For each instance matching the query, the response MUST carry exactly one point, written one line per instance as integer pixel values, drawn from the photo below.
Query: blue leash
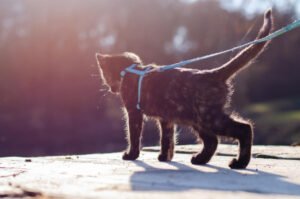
(150, 69)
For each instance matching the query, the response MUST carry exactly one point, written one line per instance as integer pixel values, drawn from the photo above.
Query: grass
(276, 122)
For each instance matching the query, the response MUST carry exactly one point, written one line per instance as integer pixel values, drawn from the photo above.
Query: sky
(250, 8)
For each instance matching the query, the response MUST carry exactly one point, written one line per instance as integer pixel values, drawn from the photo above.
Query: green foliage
(276, 122)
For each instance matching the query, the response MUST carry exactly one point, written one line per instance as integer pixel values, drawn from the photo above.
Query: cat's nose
(106, 87)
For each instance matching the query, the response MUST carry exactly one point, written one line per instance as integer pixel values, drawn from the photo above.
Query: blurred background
(50, 94)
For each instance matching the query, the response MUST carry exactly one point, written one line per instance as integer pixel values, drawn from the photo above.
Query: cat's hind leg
(210, 143)
(242, 131)
(167, 140)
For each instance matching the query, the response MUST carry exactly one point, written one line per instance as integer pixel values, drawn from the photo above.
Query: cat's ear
(100, 58)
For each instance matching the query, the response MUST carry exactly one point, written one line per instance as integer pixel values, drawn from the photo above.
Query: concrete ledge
(259, 151)
(107, 176)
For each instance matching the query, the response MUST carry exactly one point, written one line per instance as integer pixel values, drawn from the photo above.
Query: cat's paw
(235, 164)
(165, 158)
(130, 156)
(199, 160)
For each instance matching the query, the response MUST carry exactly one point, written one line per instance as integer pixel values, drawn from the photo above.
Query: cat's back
(181, 78)
(184, 84)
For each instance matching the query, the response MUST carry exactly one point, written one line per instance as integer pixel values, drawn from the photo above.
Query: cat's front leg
(134, 119)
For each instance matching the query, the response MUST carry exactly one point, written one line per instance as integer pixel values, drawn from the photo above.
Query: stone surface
(108, 176)
(271, 152)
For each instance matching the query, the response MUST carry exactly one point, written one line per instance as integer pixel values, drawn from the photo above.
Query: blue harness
(149, 69)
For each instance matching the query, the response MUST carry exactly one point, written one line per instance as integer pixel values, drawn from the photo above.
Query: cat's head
(110, 67)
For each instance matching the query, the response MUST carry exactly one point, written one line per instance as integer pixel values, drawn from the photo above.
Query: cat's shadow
(182, 177)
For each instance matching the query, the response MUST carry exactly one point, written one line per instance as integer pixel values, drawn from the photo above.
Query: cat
(190, 97)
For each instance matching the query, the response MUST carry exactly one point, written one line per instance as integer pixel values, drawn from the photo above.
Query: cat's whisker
(95, 75)
(105, 94)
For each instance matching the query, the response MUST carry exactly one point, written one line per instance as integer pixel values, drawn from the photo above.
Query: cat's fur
(191, 97)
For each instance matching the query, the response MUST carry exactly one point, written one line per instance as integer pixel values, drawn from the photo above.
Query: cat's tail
(244, 58)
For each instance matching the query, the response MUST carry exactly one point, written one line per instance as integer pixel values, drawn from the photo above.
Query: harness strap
(141, 74)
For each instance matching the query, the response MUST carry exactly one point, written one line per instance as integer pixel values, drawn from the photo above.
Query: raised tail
(244, 58)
